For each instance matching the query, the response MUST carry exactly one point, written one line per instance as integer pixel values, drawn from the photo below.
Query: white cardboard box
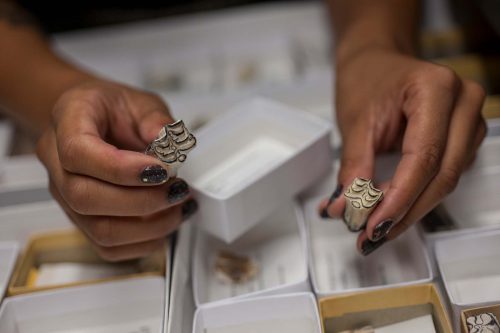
(180, 312)
(469, 269)
(24, 180)
(292, 313)
(6, 132)
(117, 307)
(336, 266)
(19, 222)
(8, 257)
(473, 206)
(277, 245)
(251, 160)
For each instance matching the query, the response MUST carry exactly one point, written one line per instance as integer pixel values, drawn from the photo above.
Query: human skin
(92, 135)
(389, 100)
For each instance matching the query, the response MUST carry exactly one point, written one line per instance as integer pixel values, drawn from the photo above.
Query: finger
(113, 231)
(131, 251)
(83, 151)
(89, 196)
(357, 160)
(467, 129)
(428, 117)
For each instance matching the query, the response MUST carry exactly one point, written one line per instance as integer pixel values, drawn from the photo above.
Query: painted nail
(338, 191)
(177, 191)
(369, 246)
(153, 174)
(189, 208)
(382, 229)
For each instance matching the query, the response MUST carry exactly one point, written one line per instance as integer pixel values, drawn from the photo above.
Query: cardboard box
(120, 306)
(250, 161)
(494, 309)
(468, 270)
(24, 180)
(179, 317)
(383, 307)
(337, 267)
(71, 247)
(20, 222)
(6, 132)
(8, 256)
(278, 248)
(473, 206)
(292, 313)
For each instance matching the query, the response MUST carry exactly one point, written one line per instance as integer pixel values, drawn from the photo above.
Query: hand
(386, 101)
(110, 189)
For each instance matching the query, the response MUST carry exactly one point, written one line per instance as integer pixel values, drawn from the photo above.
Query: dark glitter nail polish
(154, 174)
(338, 191)
(369, 246)
(382, 229)
(189, 208)
(177, 191)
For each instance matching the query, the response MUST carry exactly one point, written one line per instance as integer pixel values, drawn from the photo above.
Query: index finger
(82, 150)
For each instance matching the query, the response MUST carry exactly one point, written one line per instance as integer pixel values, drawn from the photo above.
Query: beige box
(73, 248)
(495, 309)
(383, 307)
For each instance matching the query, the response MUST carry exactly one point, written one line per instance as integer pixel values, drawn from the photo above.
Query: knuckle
(430, 158)
(77, 195)
(101, 231)
(68, 152)
(432, 74)
(475, 89)
(448, 179)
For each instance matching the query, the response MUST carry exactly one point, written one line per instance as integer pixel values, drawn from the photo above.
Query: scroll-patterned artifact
(172, 145)
(361, 199)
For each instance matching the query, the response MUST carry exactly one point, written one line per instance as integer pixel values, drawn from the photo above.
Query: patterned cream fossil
(172, 145)
(483, 323)
(361, 199)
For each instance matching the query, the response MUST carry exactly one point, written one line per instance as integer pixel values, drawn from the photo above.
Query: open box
(473, 206)
(291, 313)
(121, 306)
(469, 270)
(251, 160)
(380, 308)
(337, 267)
(8, 256)
(179, 315)
(66, 258)
(24, 180)
(20, 222)
(277, 245)
(493, 309)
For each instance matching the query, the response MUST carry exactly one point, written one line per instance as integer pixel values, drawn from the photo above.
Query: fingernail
(338, 191)
(189, 208)
(153, 174)
(369, 246)
(382, 229)
(177, 191)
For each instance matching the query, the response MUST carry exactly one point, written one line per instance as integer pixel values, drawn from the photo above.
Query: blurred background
(203, 56)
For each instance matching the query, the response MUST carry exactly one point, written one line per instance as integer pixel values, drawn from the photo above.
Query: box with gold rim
(385, 310)
(66, 259)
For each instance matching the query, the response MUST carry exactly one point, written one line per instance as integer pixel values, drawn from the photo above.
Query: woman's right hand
(93, 151)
